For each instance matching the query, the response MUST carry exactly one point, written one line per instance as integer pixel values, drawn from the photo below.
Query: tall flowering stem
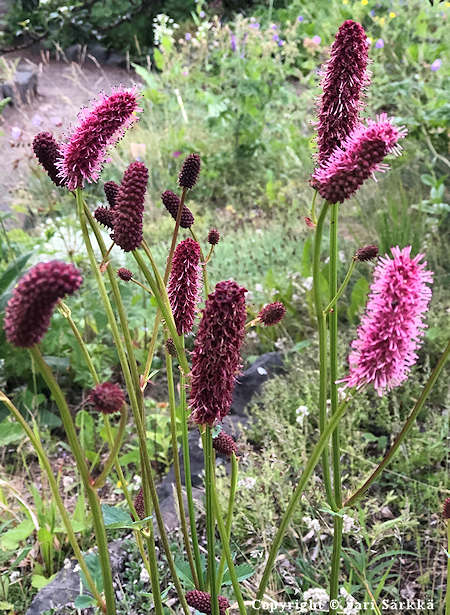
(229, 519)
(210, 524)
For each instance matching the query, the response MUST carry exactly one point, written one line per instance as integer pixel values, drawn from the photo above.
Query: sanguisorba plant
(349, 152)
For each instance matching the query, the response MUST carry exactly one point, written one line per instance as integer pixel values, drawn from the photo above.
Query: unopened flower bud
(124, 274)
(272, 313)
(366, 253)
(213, 236)
(190, 171)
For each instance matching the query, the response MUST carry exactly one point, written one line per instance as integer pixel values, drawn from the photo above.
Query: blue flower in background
(379, 44)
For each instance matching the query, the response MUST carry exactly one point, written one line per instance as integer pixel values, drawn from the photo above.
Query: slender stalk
(100, 480)
(406, 427)
(94, 502)
(342, 287)
(447, 595)
(56, 496)
(336, 454)
(203, 261)
(321, 325)
(187, 478)
(209, 486)
(151, 351)
(306, 474)
(175, 235)
(233, 483)
(225, 539)
(176, 467)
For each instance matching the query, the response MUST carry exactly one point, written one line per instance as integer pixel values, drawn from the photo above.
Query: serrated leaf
(244, 571)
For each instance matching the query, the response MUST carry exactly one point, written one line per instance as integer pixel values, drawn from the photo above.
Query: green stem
(203, 262)
(176, 467)
(333, 325)
(187, 478)
(209, 480)
(447, 595)
(233, 483)
(94, 502)
(309, 468)
(342, 287)
(100, 480)
(175, 235)
(406, 427)
(225, 539)
(321, 325)
(56, 496)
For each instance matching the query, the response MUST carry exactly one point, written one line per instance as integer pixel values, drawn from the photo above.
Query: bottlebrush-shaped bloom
(184, 284)
(111, 189)
(201, 601)
(213, 237)
(172, 202)
(47, 151)
(446, 509)
(124, 274)
(105, 216)
(170, 347)
(224, 444)
(392, 326)
(129, 208)
(190, 171)
(216, 355)
(272, 313)
(107, 397)
(366, 253)
(28, 312)
(343, 81)
(361, 155)
(99, 128)
(139, 504)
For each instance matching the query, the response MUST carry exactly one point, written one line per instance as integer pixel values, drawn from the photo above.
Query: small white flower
(14, 576)
(261, 371)
(247, 483)
(349, 524)
(144, 576)
(258, 288)
(312, 524)
(307, 283)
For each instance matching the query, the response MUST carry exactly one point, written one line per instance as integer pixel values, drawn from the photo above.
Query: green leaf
(184, 574)
(6, 606)
(83, 601)
(11, 539)
(93, 565)
(85, 422)
(116, 518)
(13, 271)
(158, 58)
(10, 432)
(39, 581)
(244, 571)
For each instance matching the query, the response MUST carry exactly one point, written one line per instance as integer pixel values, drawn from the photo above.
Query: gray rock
(74, 53)
(116, 59)
(22, 88)
(99, 52)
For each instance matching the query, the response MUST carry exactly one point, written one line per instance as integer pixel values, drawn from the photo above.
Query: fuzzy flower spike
(392, 326)
(28, 312)
(99, 128)
(343, 82)
(184, 285)
(216, 355)
(129, 207)
(361, 155)
(47, 151)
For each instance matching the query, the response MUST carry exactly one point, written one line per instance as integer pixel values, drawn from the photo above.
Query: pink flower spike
(99, 128)
(183, 288)
(392, 326)
(343, 82)
(361, 155)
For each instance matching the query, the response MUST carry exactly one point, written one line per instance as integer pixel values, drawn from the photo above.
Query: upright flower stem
(306, 474)
(176, 467)
(130, 383)
(333, 326)
(94, 502)
(56, 496)
(341, 288)
(231, 498)
(406, 427)
(209, 480)
(447, 595)
(321, 325)
(203, 263)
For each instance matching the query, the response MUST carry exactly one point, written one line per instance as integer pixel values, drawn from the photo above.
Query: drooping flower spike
(201, 601)
(111, 189)
(360, 157)
(343, 82)
(28, 312)
(47, 151)
(366, 253)
(224, 444)
(392, 326)
(172, 202)
(105, 217)
(129, 207)
(102, 126)
(216, 356)
(272, 313)
(183, 288)
(107, 398)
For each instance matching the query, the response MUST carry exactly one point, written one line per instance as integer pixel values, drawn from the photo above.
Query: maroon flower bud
(105, 216)
(31, 305)
(129, 209)
(224, 444)
(171, 202)
(213, 236)
(272, 313)
(124, 274)
(184, 284)
(201, 601)
(107, 397)
(343, 82)
(47, 151)
(139, 504)
(446, 510)
(111, 189)
(190, 171)
(216, 355)
(170, 347)
(366, 253)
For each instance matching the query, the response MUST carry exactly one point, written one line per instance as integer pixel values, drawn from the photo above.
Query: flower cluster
(201, 601)
(129, 207)
(224, 444)
(184, 285)
(272, 313)
(124, 274)
(107, 397)
(216, 355)
(47, 151)
(84, 154)
(213, 237)
(190, 171)
(31, 305)
(366, 253)
(171, 202)
(392, 326)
